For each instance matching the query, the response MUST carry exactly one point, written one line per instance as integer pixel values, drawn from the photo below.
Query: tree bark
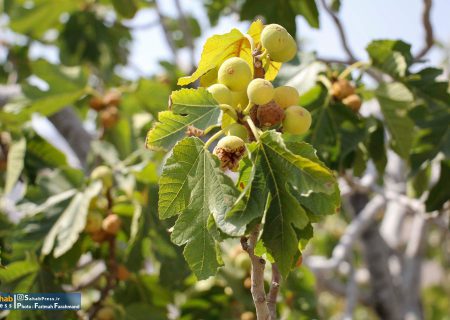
(376, 253)
(257, 275)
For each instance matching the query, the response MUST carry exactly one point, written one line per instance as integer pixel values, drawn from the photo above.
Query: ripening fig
(353, 101)
(109, 116)
(279, 44)
(239, 99)
(238, 130)
(220, 93)
(94, 221)
(260, 91)
(285, 55)
(286, 96)
(104, 174)
(235, 73)
(105, 313)
(112, 98)
(297, 120)
(269, 114)
(274, 37)
(230, 150)
(342, 88)
(123, 273)
(96, 103)
(111, 224)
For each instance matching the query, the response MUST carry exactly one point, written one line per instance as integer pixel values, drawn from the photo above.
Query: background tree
(391, 159)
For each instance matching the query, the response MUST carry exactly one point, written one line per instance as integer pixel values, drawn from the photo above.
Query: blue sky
(364, 21)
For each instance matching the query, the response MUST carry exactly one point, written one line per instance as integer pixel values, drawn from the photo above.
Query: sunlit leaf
(193, 186)
(189, 107)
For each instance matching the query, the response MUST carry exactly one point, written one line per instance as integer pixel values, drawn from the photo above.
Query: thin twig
(342, 34)
(352, 233)
(257, 275)
(166, 31)
(429, 36)
(187, 32)
(273, 291)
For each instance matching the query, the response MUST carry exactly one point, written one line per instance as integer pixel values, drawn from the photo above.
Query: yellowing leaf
(217, 49)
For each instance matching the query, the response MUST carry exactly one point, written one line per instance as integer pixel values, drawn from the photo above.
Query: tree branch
(412, 269)
(428, 28)
(273, 291)
(338, 288)
(70, 127)
(341, 31)
(385, 297)
(353, 231)
(257, 275)
(111, 263)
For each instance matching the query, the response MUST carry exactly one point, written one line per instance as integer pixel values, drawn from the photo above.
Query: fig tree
(235, 73)
(297, 120)
(260, 91)
(286, 96)
(220, 93)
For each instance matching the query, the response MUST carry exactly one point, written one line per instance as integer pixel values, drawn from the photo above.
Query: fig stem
(248, 108)
(262, 55)
(252, 42)
(229, 110)
(252, 126)
(213, 138)
(358, 64)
